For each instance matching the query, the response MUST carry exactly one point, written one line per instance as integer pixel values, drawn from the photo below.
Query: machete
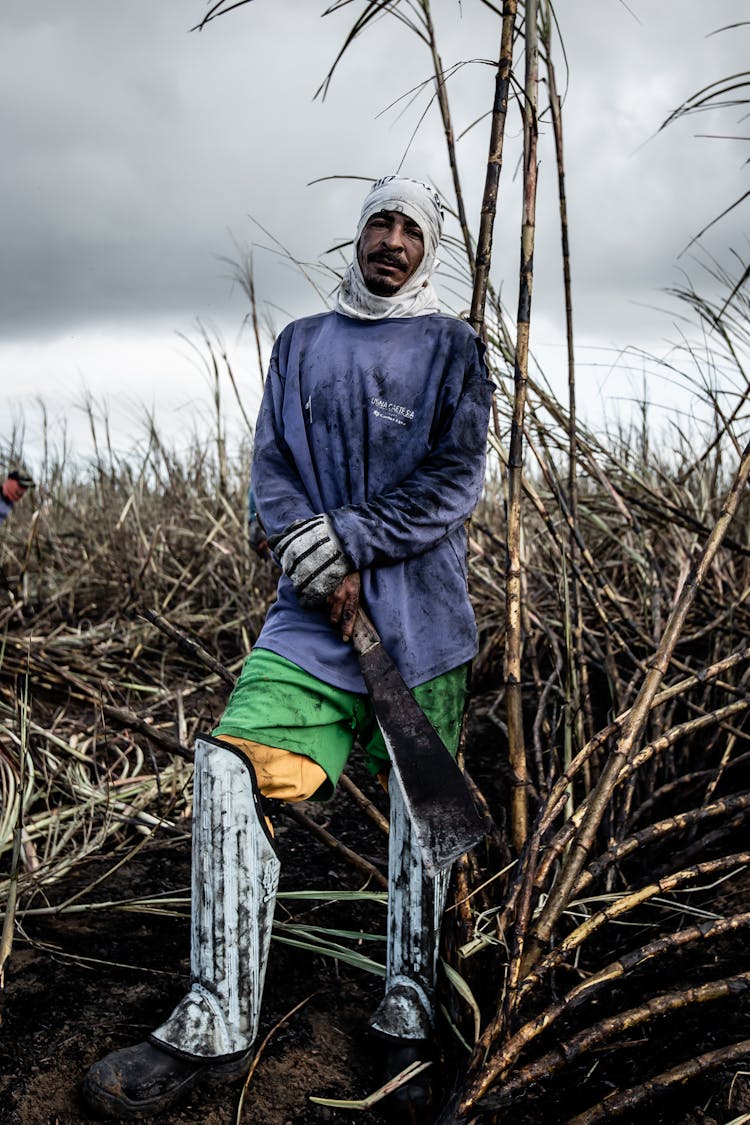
(445, 819)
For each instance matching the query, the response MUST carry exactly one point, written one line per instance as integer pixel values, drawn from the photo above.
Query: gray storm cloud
(135, 152)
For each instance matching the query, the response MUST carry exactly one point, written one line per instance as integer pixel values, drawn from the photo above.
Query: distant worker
(13, 489)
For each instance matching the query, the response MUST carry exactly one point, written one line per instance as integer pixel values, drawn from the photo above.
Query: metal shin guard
(235, 877)
(415, 909)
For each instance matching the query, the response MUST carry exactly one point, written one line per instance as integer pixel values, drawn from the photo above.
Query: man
(13, 489)
(369, 457)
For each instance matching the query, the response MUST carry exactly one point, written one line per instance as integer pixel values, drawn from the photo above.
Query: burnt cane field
(595, 960)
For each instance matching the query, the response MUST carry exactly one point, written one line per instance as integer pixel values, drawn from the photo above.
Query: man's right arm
(303, 540)
(280, 494)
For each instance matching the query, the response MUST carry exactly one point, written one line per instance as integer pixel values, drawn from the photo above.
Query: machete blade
(445, 819)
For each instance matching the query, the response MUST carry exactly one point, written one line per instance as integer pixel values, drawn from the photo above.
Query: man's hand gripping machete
(444, 816)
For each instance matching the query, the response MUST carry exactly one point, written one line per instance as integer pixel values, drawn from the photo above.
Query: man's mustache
(387, 258)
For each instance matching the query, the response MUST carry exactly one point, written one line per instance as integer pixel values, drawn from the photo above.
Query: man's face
(13, 491)
(389, 250)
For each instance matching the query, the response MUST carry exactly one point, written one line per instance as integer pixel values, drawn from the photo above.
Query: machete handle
(364, 634)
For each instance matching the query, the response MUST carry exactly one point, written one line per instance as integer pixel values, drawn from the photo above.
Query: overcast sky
(138, 156)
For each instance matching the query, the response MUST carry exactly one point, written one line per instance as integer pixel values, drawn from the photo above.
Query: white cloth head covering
(416, 297)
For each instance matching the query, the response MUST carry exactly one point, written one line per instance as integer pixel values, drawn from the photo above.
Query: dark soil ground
(79, 986)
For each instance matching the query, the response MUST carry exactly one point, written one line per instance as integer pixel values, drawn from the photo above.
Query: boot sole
(115, 1107)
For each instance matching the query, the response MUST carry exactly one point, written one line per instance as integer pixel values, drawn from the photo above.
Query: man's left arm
(415, 515)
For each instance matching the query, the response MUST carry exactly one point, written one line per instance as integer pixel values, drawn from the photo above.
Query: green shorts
(277, 703)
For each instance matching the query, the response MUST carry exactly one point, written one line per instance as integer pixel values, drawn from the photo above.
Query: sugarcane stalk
(726, 759)
(592, 1038)
(622, 1101)
(680, 822)
(489, 1069)
(635, 722)
(691, 726)
(523, 914)
(624, 904)
(577, 680)
(561, 841)
(369, 870)
(189, 645)
(663, 946)
(364, 803)
(682, 687)
(685, 780)
(494, 164)
(513, 594)
(602, 585)
(441, 93)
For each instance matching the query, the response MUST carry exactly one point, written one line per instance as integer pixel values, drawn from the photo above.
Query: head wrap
(21, 477)
(416, 297)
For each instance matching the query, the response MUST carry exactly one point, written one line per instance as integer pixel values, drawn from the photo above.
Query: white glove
(311, 555)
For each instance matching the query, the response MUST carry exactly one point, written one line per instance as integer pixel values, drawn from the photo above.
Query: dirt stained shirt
(382, 425)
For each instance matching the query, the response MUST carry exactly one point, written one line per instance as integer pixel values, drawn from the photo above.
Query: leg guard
(235, 877)
(415, 910)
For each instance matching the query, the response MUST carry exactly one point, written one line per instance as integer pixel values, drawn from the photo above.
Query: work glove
(311, 556)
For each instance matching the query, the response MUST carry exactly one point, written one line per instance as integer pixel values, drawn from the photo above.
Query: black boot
(139, 1082)
(412, 1103)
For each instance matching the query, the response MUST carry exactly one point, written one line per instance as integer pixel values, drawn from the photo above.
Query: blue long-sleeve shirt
(382, 425)
(5, 508)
